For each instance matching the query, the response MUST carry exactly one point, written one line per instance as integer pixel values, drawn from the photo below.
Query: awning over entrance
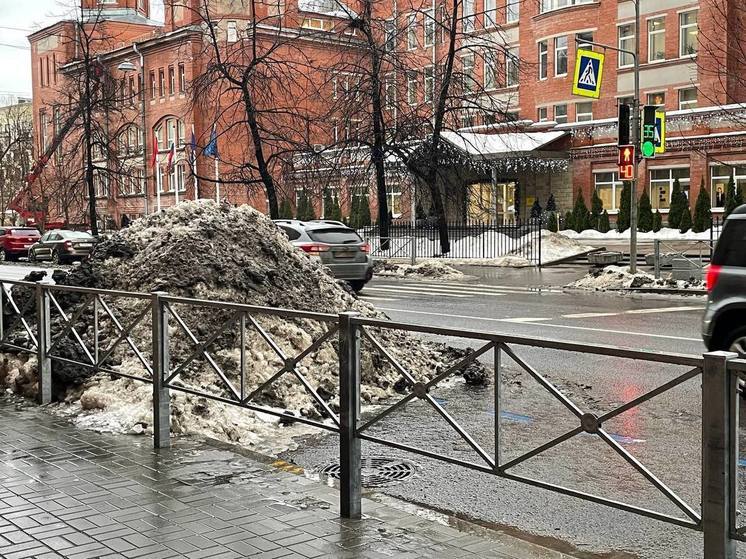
(494, 146)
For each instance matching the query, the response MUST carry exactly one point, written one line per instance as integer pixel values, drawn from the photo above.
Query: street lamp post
(127, 66)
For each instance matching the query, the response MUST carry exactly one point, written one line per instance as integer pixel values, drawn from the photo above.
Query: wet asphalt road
(664, 434)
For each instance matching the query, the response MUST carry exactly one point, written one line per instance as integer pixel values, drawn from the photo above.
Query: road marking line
(376, 298)
(449, 289)
(590, 314)
(546, 325)
(664, 309)
(485, 285)
(436, 291)
(522, 320)
(404, 291)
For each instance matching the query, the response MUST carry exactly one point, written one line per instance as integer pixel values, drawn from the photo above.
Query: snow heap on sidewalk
(430, 269)
(665, 233)
(613, 278)
(203, 250)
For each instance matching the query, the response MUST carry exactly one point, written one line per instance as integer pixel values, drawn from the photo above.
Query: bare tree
(16, 148)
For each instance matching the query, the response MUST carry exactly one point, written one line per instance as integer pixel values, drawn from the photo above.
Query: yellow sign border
(662, 147)
(601, 57)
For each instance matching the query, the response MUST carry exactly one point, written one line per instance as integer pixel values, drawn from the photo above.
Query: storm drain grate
(376, 471)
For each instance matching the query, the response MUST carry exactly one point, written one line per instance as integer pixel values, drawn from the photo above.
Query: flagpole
(175, 171)
(159, 186)
(194, 174)
(217, 181)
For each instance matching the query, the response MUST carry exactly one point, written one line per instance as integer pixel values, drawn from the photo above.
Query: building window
(161, 83)
(658, 98)
(512, 11)
(688, 33)
(543, 60)
(412, 31)
(389, 27)
(560, 56)
(626, 35)
(720, 177)
(656, 39)
(171, 80)
(162, 187)
(43, 134)
(626, 101)
(609, 189)
(584, 40)
(429, 84)
(467, 67)
(393, 199)
(429, 28)
(490, 69)
(468, 8)
(181, 176)
(490, 13)
(550, 5)
(688, 98)
(412, 87)
(583, 111)
(661, 186)
(542, 114)
(182, 79)
(512, 67)
(390, 91)
(232, 32)
(560, 114)
(467, 119)
(152, 84)
(131, 90)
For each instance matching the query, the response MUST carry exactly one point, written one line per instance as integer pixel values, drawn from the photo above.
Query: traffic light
(623, 125)
(647, 146)
(626, 162)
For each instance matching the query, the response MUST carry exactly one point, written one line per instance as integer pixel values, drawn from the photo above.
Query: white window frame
(429, 29)
(467, 71)
(412, 31)
(739, 180)
(512, 67)
(684, 32)
(557, 117)
(390, 90)
(684, 105)
(393, 192)
(626, 42)
(491, 69)
(429, 92)
(655, 200)
(578, 113)
(551, 5)
(558, 50)
(231, 32)
(543, 51)
(542, 114)
(412, 87)
(512, 11)
(653, 34)
(389, 31)
(616, 184)
(490, 13)
(468, 15)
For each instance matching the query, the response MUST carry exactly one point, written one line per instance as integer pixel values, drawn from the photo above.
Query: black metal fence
(468, 240)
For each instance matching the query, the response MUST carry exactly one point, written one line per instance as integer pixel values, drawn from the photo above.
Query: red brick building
(552, 143)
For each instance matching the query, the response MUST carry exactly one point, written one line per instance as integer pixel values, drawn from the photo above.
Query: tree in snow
(286, 209)
(305, 209)
(580, 216)
(603, 222)
(331, 206)
(597, 208)
(733, 197)
(551, 204)
(645, 213)
(536, 211)
(569, 221)
(686, 220)
(702, 211)
(622, 218)
(679, 202)
(552, 224)
(657, 221)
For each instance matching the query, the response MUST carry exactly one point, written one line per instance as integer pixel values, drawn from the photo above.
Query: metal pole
(159, 185)
(636, 142)
(719, 455)
(349, 400)
(43, 342)
(161, 396)
(498, 408)
(217, 181)
(657, 257)
(413, 253)
(144, 135)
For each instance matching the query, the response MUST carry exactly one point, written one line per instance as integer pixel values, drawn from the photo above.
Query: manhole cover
(376, 471)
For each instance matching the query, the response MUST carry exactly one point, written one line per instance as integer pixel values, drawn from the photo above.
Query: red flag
(171, 155)
(154, 158)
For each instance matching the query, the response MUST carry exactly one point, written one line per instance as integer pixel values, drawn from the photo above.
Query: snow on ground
(429, 269)
(555, 246)
(616, 278)
(665, 233)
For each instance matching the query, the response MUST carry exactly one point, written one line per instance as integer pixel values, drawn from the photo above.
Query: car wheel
(31, 256)
(3, 255)
(56, 258)
(357, 285)
(737, 341)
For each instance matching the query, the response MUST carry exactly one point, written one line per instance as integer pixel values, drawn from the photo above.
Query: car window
(82, 235)
(44, 237)
(24, 233)
(2, 232)
(731, 247)
(292, 234)
(55, 237)
(335, 236)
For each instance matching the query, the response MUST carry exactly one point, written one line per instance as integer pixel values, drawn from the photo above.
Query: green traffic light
(648, 149)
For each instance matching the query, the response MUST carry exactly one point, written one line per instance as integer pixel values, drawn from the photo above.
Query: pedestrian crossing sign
(589, 69)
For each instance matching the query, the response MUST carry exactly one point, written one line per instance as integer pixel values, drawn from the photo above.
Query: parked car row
(59, 245)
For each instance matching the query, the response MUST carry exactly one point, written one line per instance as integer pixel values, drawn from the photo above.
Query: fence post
(539, 233)
(349, 402)
(161, 396)
(413, 258)
(719, 454)
(43, 342)
(657, 257)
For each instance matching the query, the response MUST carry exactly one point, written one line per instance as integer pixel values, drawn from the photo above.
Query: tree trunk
(261, 162)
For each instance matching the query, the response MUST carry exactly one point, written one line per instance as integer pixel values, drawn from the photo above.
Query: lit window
(688, 33)
(658, 98)
(661, 186)
(609, 189)
(656, 39)
(721, 176)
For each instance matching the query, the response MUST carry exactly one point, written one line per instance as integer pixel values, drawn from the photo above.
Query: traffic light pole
(636, 143)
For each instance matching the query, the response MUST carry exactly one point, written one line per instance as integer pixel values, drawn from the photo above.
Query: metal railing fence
(38, 318)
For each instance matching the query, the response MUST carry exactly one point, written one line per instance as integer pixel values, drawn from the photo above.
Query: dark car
(16, 241)
(724, 323)
(61, 246)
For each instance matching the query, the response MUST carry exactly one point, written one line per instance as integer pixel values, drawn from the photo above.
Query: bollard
(657, 258)
(719, 454)
(161, 396)
(349, 399)
(43, 342)
(413, 252)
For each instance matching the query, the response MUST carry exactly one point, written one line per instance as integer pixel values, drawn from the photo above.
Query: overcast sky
(18, 18)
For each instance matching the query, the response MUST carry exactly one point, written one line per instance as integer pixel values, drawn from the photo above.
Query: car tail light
(314, 249)
(713, 273)
(68, 245)
(365, 248)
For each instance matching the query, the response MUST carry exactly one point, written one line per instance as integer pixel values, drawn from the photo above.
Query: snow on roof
(498, 144)
(333, 8)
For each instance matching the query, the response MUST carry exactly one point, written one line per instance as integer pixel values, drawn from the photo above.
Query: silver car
(724, 324)
(338, 247)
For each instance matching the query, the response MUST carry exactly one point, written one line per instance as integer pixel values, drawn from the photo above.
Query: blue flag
(211, 149)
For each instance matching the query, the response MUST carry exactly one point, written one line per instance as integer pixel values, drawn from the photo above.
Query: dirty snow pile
(203, 250)
(555, 246)
(613, 278)
(665, 233)
(429, 269)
